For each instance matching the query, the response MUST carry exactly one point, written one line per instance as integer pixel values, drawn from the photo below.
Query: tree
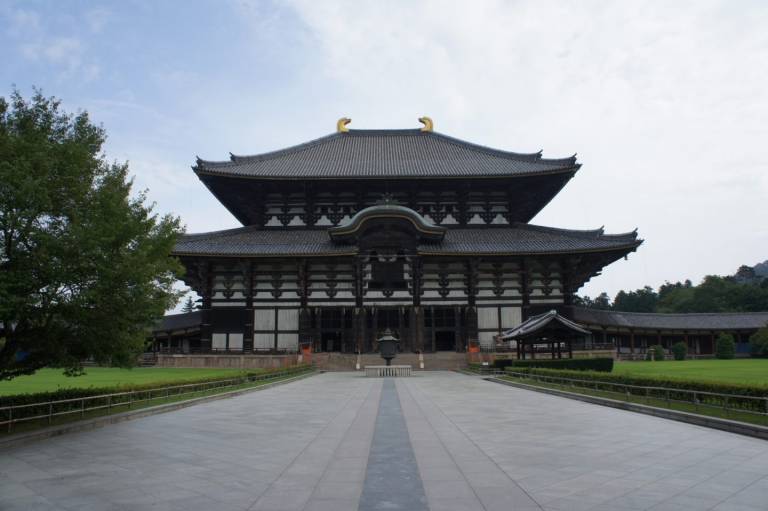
(189, 305)
(601, 301)
(642, 300)
(84, 265)
(725, 347)
(758, 343)
(679, 350)
(655, 352)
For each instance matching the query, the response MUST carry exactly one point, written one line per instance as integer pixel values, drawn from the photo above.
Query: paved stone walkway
(321, 444)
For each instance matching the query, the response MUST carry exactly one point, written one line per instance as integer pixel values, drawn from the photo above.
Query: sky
(665, 103)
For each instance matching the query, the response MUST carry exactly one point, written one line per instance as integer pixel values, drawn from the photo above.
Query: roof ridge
(534, 157)
(235, 159)
(586, 233)
(213, 234)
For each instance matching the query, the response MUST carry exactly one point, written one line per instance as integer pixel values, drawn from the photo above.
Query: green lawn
(52, 379)
(731, 371)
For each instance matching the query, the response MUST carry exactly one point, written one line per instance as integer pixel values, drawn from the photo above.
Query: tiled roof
(386, 153)
(513, 240)
(540, 322)
(712, 321)
(181, 321)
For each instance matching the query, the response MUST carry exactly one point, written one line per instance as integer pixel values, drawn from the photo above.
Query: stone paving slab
(306, 445)
(569, 455)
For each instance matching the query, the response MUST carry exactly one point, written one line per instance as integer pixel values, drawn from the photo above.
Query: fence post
(82, 408)
(668, 404)
(109, 403)
(726, 406)
(696, 402)
(10, 418)
(50, 413)
(647, 395)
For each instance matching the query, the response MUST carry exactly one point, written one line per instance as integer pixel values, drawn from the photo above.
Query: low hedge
(78, 393)
(669, 385)
(603, 364)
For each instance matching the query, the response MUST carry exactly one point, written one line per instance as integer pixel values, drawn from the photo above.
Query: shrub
(656, 352)
(604, 364)
(679, 350)
(501, 363)
(725, 347)
(758, 343)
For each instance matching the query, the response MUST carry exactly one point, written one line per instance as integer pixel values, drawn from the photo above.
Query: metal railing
(49, 410)
(730, 404)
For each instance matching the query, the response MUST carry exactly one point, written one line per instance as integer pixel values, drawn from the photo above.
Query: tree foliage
(725, 346)
(679, 350)
(758, 343)
(189, 305)
(84, 265)
(745, 291)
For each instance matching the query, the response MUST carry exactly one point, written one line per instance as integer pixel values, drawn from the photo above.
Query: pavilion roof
(711, 321)
(541, 323)
(517, 239)
(405, 153)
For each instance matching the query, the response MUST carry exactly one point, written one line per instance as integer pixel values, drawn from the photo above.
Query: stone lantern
(388, 346)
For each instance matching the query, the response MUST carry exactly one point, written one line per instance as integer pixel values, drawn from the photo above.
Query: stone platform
(340, 441)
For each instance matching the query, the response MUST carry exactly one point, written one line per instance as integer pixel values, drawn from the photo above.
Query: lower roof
(711, 321)
(516, 239)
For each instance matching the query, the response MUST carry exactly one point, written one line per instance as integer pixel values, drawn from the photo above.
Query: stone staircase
(440, 361)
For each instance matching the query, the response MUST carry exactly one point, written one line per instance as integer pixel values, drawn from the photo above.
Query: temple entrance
(330, 341)
(445, 341)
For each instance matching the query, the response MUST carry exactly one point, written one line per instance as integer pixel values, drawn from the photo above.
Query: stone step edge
(731, 426)
(15, 440)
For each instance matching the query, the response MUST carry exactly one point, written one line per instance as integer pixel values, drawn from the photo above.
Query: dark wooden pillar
(632, 342)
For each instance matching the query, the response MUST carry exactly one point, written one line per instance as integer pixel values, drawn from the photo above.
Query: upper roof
(517, 239)
(406, 153)
(541, 323)
(712, 321)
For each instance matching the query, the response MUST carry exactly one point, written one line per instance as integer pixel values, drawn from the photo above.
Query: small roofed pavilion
(550, 329)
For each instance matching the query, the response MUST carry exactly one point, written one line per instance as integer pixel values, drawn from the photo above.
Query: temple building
(363, 230)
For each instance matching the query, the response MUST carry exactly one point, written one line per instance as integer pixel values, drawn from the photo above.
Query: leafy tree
(642, 300)
(679, 350)
(189, 305)
(725, 347)
(758, 343)
(84, 266)
(601, 301)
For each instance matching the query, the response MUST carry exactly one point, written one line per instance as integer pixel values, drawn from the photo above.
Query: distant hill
(761, 269)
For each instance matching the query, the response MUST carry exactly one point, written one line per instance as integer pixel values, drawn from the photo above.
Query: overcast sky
(665, 103)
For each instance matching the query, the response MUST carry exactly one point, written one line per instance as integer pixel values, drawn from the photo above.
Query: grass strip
(735, 415)
(31, 425)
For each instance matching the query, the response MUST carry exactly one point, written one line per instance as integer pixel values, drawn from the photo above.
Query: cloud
(664, 102)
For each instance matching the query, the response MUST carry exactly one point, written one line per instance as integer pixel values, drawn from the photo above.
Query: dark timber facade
(364, 230)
